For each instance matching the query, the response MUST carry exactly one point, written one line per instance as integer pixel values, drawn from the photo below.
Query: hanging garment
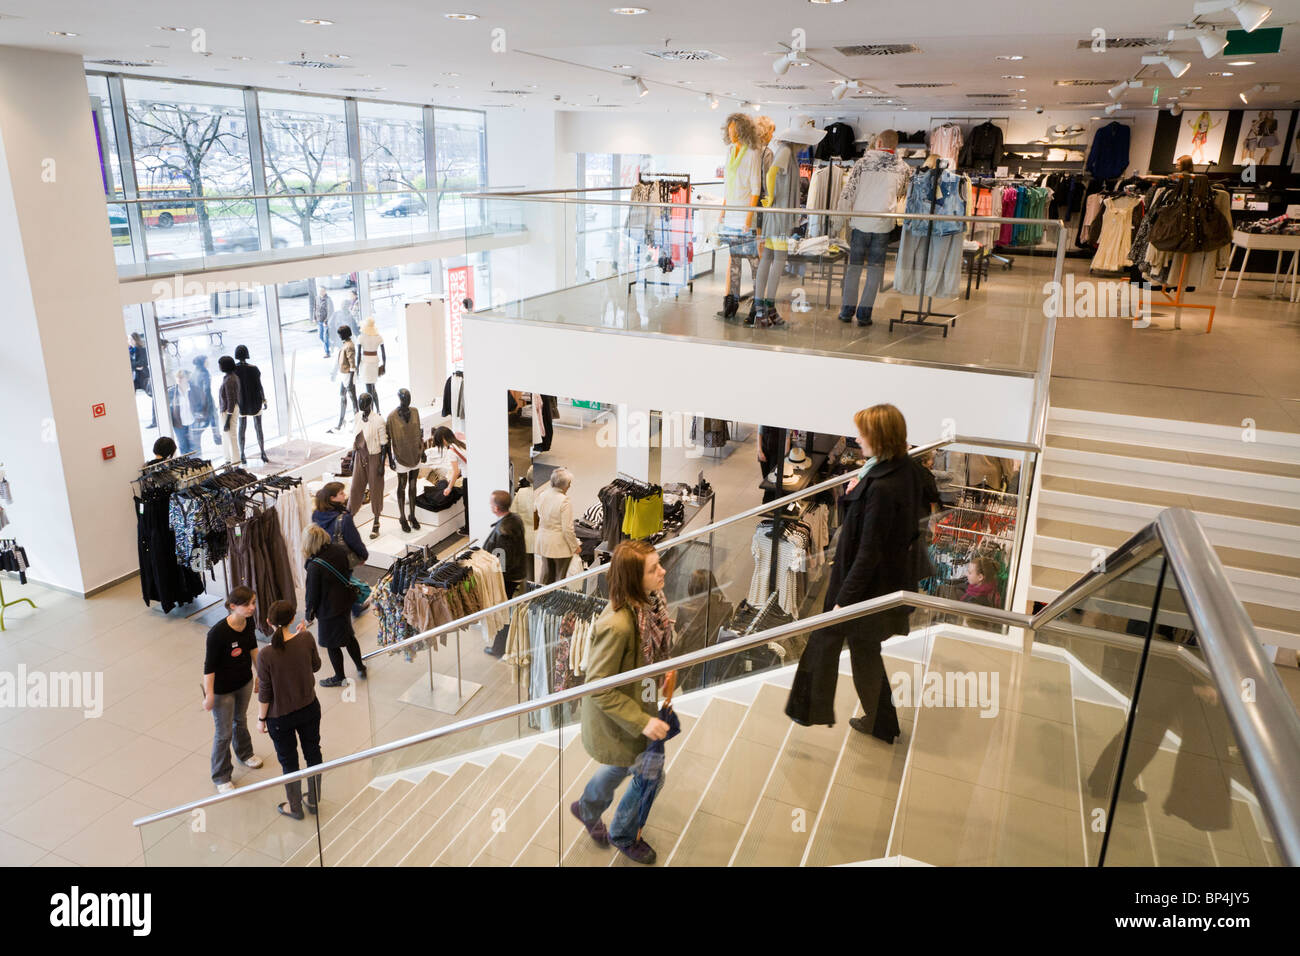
(983, 148)
(930, 267)
(1108, 157)
(837, 143)
(709, 432)
(1116, 237)
(946, 142)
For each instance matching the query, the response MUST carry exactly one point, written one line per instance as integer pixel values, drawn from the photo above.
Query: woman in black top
(330, 598)
(882, 509)
(287, 706)
(252, 400)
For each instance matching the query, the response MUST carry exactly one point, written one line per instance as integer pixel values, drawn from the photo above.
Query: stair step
(332, 823)
(355, 831)
(467, 803)
(425, 816)
(536, 809)
(1170, 499)
(787, 811)
(1244, 462)
(714, 831)
(1189, 436)
(384, 827)
(496, 808)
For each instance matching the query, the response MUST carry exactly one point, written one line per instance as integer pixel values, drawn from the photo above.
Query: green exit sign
(1155, 96)
(1241, 43)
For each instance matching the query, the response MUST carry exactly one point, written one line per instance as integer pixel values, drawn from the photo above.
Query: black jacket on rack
(838, 142)
(982, 149)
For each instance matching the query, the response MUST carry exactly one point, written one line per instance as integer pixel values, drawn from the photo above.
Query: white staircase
(746, 787)
(1107, 475)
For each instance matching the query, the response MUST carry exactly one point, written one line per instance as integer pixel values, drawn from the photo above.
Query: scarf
(655, 629)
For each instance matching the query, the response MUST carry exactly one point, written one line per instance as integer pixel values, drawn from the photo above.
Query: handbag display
(1192, 222)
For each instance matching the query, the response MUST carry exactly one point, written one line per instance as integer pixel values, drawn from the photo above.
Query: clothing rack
(925, 311)
(661, 215)
(10, 546)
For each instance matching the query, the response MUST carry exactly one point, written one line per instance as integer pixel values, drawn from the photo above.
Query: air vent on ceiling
(126, 63)
(314, 65)
(921, 86)
(512, 92)
(989, 96)
(362, 89)
(1083, 103)
(678, 55)
(1125, 43)
(1085, 82)
(782, 86)
(877, 49)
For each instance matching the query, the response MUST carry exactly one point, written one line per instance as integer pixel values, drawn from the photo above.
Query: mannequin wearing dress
(372, 359)
(369, 449)
(252, 400)
(406, 439)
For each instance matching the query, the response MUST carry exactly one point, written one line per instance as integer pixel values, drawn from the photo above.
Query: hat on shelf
(787, 473)
(803, 130)
(798, 457)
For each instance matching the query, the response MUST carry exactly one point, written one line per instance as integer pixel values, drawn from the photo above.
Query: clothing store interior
(423, 348)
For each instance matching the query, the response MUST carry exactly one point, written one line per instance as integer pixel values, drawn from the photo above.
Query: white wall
(64, 343)
(697, 132)
(790, 389)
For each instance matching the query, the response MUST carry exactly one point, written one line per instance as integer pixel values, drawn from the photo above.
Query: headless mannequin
(368, 466)
(252, 401)
(370, 365)
(405, 417)
(347, 367)
(732, 288)
(772, 251)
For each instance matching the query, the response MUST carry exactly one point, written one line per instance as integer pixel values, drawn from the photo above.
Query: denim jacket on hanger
(949, 202)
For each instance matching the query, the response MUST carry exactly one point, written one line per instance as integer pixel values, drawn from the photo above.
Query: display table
(1279, 244)
(802, 478)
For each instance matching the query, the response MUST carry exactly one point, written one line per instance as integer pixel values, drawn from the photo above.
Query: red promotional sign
(460, 286)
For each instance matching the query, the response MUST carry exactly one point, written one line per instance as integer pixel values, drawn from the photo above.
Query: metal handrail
(798, 211)
(826, 485)
(333, 194)
(852, 612)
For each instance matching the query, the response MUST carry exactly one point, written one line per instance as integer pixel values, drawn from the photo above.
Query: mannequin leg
(412, 478)
(401, 499)
(261, 442)
(774, 259)
(374, 394)
(343, 404)
(376, 481)
(760, 281)
(243, 428)
(360, 475)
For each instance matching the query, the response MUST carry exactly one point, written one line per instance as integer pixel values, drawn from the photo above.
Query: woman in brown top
(287, 706)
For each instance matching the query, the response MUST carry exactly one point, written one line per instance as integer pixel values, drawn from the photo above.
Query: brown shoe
(597, 831)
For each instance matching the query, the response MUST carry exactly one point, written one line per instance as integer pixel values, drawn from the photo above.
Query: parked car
(244, 240)
(403, 206)
(333, 210)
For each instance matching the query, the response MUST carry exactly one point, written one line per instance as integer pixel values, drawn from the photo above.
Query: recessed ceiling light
(398, 66)
(241, 57)
(1241, 63)
(61, 33)
(1010, 56)
(1014, 90)
(686, 82)
(159, 46)
(339, 56)
(530, 86)
(451, 74)
(221, 69)
(454, 88)
(1013, 76)
(461, 16)
(620, 66)
(175, 29)
(317, 22)
(825, 1)
(628, 11)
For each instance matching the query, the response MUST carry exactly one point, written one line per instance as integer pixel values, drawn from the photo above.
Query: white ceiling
(561, 53)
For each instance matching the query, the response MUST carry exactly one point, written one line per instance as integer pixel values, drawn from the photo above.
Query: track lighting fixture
(1176, 66)
(1211, 41)
(1248, 13)
(1118, 90)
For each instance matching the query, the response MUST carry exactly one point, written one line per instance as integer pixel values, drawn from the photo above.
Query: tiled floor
(69, 786)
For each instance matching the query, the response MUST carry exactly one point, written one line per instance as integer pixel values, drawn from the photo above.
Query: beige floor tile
(108, 841)
(24, 783)
(83, 746)
(62, 813)
(18, 852)
(132, 767)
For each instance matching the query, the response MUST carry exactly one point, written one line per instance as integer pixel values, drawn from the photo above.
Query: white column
(65, 348)
(632, 432)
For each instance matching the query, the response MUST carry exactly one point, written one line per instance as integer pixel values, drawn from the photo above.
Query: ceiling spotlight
(1013, 76)
(620, 66)
(1112, 108)
(460, 16)
(339, 56)
(641, 88)
(241, 57)
(61, 33)
(837, 93)
(756, 106)
(317, 22)
(1257, 88)
(783, 63)
(713, 102)
(175, 29)
(825, 1)
(628, 11)
(1212, 42)
(1248, 13)
(1012, 56)
(1241, 63)
(1175, 109)
(1176, 66)
(1118, 90)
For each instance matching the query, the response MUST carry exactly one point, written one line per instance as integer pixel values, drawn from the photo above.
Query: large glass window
(195, 332)
(392, 160)
(141, 359)
(305, 149)
(311, 347)
(191, 141)
(110, 167)
(460, 143)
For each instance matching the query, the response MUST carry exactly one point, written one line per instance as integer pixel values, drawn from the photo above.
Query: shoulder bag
(360, 589)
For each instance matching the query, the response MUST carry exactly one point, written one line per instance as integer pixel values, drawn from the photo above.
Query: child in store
(982, 583)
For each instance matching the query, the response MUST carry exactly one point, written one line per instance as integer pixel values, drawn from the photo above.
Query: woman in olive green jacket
(618, 723)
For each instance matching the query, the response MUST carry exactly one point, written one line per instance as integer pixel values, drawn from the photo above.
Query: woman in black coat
(330, 598)
(882, 510)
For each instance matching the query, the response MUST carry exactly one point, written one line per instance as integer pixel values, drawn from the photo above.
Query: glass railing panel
(602, 260)
(1185, 782)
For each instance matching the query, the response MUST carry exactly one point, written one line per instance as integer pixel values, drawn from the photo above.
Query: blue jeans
(323, 329)
(230, 721)
(632, 810)
(184, 440)
(871, 247)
